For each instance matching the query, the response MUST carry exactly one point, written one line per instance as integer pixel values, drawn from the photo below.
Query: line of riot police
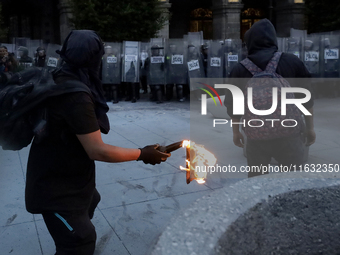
(168, 65)
(165, 66)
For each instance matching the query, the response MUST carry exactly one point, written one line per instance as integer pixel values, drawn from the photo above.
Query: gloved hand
(151, 155)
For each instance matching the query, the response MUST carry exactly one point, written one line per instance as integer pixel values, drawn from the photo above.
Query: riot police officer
(131, 69)
(143, 71)
(111, 73)
(331, 63)
(25, 61)
(40, 57)
(176, 69)
(232, 49)
(311, 60)
(156, 72)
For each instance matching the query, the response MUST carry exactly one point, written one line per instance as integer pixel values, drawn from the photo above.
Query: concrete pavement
(138, 200)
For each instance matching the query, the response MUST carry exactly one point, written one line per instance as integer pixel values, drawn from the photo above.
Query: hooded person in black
(261, 42)
(82, 62)
(60, 179)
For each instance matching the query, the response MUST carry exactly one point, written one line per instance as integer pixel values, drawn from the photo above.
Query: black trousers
(73, 232)
(287, 151)
(143, 80)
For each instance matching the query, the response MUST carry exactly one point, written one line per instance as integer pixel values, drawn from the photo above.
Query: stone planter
(285, 213)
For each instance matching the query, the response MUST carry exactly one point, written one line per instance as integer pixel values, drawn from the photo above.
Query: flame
(200, 181)
(186, 143)
(184, 168)
(201, 159)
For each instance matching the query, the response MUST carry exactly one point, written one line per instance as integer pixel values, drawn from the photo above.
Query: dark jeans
(286, 151)
(73, 232)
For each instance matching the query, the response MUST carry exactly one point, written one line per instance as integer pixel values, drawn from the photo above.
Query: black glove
(151, 155)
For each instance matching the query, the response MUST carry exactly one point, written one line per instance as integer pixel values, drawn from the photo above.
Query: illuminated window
(298, 1)
(233, 1)
(249, 17)
(201, 20)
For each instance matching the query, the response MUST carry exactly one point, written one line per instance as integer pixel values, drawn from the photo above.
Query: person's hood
(82, 52)
(261, 42)
(83, 49)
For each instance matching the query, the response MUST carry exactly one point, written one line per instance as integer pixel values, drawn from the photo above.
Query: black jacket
(261, 42)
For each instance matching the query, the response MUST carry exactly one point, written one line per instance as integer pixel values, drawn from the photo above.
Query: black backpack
(22, 115)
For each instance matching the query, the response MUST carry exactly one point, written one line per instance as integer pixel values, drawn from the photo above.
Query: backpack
(262, 84)
(22, 115)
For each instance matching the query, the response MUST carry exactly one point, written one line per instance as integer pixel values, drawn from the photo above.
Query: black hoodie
(261, 42)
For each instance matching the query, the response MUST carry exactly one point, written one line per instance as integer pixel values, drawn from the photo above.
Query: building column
(165, 6)
(65, 14)
(289, 14)
(227, 19)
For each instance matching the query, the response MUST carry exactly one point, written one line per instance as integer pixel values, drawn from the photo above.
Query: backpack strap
(250, 66)
(70, 86)
(272, 64)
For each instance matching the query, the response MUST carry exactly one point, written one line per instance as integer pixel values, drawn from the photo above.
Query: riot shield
(312, 55)
(20, 42)
(194, 62)
(215, 60)
(143, 57)
(281, 44)
(298, 33)
(176, 70)
(111, 64)
(293, 46)
(330, 45)
(130, 61)
(156, 62)
(22, 48)
(195, 38)
(244, 51)
(53, 59)
(232, 49)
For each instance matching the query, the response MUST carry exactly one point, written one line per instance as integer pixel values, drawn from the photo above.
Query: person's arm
(78, 111)
(96, 149)
(310, 133)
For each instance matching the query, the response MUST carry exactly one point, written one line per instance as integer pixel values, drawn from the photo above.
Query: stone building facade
(218, 19)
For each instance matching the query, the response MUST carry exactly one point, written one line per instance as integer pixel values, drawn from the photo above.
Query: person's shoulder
(239, 71)
(292, 60)
(292, 66)
(290, 57)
